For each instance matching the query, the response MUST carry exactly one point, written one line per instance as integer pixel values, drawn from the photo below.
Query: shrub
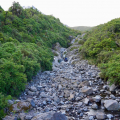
(3, 104)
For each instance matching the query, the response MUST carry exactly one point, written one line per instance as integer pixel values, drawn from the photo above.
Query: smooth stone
(109, 116)
(87, 90)
(33, 89)
(81, 114)
(86, 101)
(32, 103)
(44, 116)
(97, 98)
(9, 118)
(112, 87)
(31, 93)
(100, 116)
(43, 95)
(22, 116)
(95, 106)
(111, 105)
(28, 117)
(10, 102)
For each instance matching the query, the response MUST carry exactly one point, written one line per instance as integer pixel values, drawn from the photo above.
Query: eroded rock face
(111, 105)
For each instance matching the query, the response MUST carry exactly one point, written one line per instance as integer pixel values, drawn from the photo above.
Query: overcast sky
(74, 12)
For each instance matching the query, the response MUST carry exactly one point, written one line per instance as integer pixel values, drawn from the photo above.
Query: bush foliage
(102, 45)
(26, 39)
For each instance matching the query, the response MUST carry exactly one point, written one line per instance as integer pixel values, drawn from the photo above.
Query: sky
(74, 12)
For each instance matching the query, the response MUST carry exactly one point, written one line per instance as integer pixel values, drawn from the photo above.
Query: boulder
(33, 89)
(44, 116)
(111, 105)
(97, 98)
(86, 101)
(21, 116)
(58, 116)
(100, 116)
(87, 90)
(9, 118)
(112, 87)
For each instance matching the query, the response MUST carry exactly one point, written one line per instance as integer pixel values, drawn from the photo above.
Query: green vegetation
(26, 39)
(102, 47)
(82, 28)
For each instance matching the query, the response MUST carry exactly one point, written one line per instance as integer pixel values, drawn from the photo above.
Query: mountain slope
(26, 39)
(102, 47)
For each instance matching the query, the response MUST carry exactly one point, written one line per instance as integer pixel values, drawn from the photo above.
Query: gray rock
(97, 98)
(58, 116)
(111, 105)
(31, 93)
(56, 99)
(22, 116)
(109, 116)
(33, 89)
(28, 117)
(32, 103)
(43, 95)
(10, 102)
(44, 102)
(66, 93)
(71, 96)
(87, 90)
(112, 97)
(9, 118)
(95, 106)
(112, 87)
(100, 116)
(86, 101)
(81, 114)
(91, 118)
(44, 116)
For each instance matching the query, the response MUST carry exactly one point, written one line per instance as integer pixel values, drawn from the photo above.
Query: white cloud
(74, 12)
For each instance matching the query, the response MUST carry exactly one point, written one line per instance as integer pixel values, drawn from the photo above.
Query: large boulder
(111, 105)
(9, 118)
(58, 116)
(44, 116)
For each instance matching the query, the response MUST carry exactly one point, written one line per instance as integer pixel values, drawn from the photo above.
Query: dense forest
(26, 39)
(101, 46)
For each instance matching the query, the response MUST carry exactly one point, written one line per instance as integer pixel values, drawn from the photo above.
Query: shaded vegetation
(102, 47)
(26, 39)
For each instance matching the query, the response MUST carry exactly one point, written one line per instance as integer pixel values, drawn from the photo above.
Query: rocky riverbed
(73, 90)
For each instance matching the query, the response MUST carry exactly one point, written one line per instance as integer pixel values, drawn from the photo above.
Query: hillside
(82, 28)
(26, 39)
(102, 47)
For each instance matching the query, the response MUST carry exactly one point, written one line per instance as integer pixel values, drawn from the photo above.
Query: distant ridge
(82, 28)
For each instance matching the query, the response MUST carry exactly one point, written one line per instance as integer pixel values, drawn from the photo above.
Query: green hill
(26, 39)
(102, 47)
(82, 28)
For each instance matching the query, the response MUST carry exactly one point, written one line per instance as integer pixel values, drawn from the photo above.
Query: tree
(16, 9)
